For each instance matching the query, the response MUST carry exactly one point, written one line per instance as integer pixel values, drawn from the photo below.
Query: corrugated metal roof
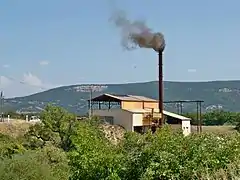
(137, 110)
(142, 98)
(142, 110)
(129, 98)
(177, 116)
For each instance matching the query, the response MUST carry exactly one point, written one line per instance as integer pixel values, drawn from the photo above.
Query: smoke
(136, 33)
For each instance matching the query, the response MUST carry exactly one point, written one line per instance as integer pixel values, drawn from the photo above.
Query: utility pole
(1, 100)
(1, 105)
(90, 89)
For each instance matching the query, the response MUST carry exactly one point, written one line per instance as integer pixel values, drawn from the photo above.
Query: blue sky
(49, 43)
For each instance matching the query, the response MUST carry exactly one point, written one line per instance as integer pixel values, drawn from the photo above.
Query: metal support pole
(1, 104)
(160, 88)
(200, 115)
(178, 108)
(198, 128)
(90, 103)
(181, 108)
(91, 95)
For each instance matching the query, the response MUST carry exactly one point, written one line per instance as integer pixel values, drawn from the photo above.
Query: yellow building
(134, 113)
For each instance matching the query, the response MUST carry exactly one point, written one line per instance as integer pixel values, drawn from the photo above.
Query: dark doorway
(138, 129)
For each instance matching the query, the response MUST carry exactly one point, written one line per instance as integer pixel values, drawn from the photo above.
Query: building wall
(139, 105)
(128, 120)
(151, 105)
(186, 127)
(131, 105)
(137, 119)
(121, 117)
(176, 126)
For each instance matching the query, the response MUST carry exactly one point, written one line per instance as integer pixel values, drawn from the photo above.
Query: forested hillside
(216, 95)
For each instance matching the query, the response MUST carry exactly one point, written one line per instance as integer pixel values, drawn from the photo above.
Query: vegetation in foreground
(63, 148)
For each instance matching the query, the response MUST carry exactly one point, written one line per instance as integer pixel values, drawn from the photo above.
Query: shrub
(93, 157)
(46, 164)
(56, 127)
(9, 146)
(61, 148)
(164, 155)
(238, 127)
(170, 155)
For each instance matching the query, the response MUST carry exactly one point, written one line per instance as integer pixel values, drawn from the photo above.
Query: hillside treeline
(216, 118)
(62, 148)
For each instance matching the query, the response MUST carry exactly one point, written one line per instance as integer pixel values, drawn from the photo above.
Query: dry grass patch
(215, 129)
(14, 128)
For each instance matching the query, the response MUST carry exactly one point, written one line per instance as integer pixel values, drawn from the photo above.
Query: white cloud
(4, 82)
(6, 66)
(28, 84)
(192, 70)
(44, 63)
(32, 80)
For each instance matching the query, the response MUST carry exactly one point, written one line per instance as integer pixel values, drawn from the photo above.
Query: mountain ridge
(87, 84)
(216, 95)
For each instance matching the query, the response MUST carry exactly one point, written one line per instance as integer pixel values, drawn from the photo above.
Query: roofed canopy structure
(121, 101)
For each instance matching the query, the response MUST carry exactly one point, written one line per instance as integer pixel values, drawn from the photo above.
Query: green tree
(49, 163)
(193, 117)
(93, 157)
(170, 155)
(56, 127)
(238, 127)
(216, 117)
(9, 146)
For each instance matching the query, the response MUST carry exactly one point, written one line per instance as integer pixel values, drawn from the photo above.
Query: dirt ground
(215, 129)
(14, 127)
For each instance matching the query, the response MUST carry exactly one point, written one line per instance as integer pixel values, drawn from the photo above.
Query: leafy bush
(9, 146)
(57, 125)
(164, 155)
(170, 155)
(62, 148)
(46, 164)
(92, 156)
(216, 117)
(238, 127)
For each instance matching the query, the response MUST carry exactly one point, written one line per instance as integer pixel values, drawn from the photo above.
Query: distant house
(134, 113)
